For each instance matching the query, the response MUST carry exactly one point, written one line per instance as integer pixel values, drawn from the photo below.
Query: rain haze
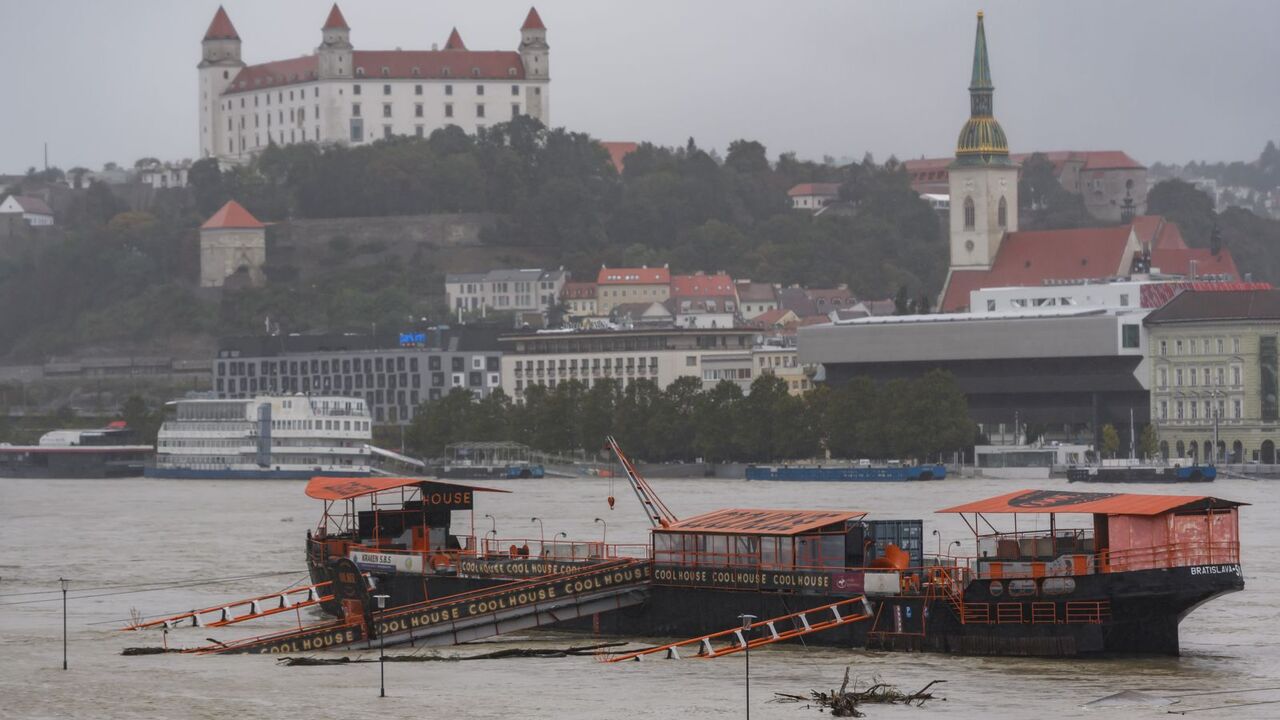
(1167, 81)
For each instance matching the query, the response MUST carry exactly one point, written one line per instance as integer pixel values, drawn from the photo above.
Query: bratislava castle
(342, 95)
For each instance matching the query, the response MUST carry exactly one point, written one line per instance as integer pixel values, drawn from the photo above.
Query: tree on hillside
(1185, 204)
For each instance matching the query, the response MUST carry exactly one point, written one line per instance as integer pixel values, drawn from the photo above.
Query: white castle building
(342, 95)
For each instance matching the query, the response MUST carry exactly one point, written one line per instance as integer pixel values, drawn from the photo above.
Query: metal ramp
(473, 615)
(241, 610)
(833, 615)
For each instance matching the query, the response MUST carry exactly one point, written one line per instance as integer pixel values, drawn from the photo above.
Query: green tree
(1110, 440)
(1183, 203)
(1148, 442)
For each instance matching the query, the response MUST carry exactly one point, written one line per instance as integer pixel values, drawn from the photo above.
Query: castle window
(448, 109)
(225, 75)
(416, 72)
(515, 90)
(1003, 213)
(417, 89)
(355, 89)
(448, 89)
(386, 89)
(355, 109)
(386, 131)
(515, 110)
(445, 71)
(480, 110)
(479, 89)
(417, 110)
(359, 72)
(970, 214)
(511, 72)
(386, 72)
(475, 72)
(386, 110)
(315, 92)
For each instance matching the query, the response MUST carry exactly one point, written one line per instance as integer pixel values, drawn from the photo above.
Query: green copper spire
(982, 140)
(981, 67)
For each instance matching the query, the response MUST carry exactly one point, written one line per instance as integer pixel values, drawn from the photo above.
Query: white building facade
(339, 94)
(525, 290)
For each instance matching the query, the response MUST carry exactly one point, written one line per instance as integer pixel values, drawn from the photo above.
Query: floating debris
(844, 702)
(147, 651)
(1130, 698)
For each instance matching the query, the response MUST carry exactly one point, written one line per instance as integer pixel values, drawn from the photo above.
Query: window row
(1200, 346)
(1198, 377)
(1196, 410)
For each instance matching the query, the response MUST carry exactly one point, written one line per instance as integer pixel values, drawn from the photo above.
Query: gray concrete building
(1065, 372)
(393, 374)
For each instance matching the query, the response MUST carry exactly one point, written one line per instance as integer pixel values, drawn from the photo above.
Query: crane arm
(659, 515)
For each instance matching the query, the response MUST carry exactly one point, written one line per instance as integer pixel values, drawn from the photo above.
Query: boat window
(746, 550)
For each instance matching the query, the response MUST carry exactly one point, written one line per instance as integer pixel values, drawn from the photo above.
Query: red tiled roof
(455, 41)
(718, 285)
(1178, 262)
(33, 205)
(618, 152)
(1158, 294)
(532, 21)
(231, 215)
(274, 74)
(1154, 231)
(773, 317)
(400, 64)
(221, 27)
(826, 189)
(633, 276)
(1030, 258)
(335, 21)
(578, 290)
(1110, 160)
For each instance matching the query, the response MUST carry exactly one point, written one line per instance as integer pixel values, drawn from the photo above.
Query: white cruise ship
(266, 437)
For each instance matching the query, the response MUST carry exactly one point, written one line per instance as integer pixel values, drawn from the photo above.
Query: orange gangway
(241, 610)
(740, 639)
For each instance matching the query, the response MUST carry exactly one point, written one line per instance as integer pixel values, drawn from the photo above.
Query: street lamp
(604, 534)
(494, 529)
(939, 536)
(382, 649)
(542, 532)
(954, 543)
(65, 583)
(746, 641)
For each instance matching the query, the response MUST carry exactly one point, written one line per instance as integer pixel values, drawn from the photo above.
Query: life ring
(438, 561)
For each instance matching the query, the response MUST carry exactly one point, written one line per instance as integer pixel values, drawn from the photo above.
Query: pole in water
(746, 625)
(382, 651)
(65, 582)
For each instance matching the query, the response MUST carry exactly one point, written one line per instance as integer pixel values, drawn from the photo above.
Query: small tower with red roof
(536, 56)
(336, 55)
(232, 241)
(219, 63)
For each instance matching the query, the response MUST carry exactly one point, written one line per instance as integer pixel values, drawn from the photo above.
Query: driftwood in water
(845, 702)
(147, 650)
(495, 655)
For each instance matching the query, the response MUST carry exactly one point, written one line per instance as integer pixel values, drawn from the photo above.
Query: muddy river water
(112, 534)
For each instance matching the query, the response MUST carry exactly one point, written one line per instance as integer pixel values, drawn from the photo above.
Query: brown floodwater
(128, 532)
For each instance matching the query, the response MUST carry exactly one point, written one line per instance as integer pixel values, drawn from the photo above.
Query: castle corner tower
(219, 64)
(335, 51)
(983, 180)
(536, 56)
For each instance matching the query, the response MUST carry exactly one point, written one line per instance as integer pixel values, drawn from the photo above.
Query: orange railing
(1169, 556)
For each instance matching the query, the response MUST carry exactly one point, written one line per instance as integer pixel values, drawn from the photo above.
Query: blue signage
(415, 339)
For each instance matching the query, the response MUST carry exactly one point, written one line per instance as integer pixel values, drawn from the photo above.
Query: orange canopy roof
(745, 521)
(342, 488)
(1070, 501)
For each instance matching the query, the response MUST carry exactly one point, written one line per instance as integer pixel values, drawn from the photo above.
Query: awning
(1069, 501)
(342, 488)
(744, 521)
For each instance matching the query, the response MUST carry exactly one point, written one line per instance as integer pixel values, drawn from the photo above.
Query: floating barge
(846, 473)
(77, 454)
(1142, 473)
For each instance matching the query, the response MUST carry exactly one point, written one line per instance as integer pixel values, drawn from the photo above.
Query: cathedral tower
(983, 181)
(219, 64)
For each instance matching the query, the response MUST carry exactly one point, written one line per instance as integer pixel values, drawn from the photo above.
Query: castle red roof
(633, 276)
(399, 64)
(701, 285)
(232, 215)
(532, 21)
(335, 21)
(221, 27)
(1154, 231)
(1030, 258)
(618, 152)
(455, 41)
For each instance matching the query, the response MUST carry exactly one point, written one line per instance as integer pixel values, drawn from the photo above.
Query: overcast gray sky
(1164, 80)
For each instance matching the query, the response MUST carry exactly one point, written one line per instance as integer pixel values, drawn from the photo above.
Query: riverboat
(1140, 473)
(95, 453)
(1118, 580)
(847, 473)
(265, 437)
